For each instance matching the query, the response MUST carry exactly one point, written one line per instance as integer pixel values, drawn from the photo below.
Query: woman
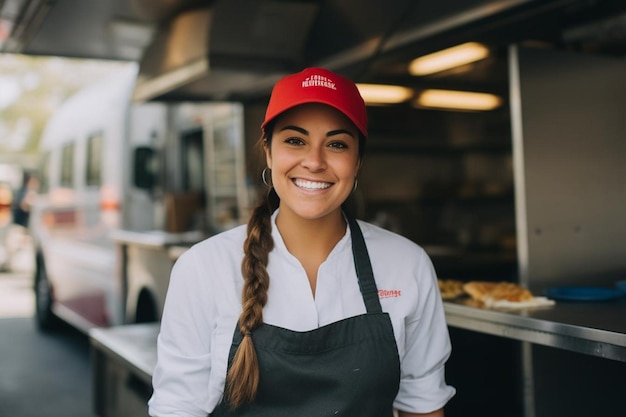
(319, 330)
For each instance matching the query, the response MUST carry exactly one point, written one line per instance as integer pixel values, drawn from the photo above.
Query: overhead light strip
(374, 94)
(457, 100)
(445, 59)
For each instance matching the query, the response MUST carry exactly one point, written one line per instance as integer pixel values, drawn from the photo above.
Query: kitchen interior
(528, 189)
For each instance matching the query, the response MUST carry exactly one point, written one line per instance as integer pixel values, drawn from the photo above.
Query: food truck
(114, 172)
(529, 192)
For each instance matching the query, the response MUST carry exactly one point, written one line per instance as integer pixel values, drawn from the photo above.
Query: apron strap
(364, 272)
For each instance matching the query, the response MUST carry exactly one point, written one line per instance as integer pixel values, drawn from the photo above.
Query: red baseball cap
(318, 85)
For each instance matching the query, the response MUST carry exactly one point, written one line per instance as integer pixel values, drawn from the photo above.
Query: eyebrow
(306, 132)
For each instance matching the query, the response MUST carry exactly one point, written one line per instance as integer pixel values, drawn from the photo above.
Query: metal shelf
(597, 329)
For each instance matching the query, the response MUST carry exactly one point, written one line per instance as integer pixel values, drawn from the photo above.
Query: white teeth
(311, 185)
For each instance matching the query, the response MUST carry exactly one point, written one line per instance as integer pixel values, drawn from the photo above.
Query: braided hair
(243, 376)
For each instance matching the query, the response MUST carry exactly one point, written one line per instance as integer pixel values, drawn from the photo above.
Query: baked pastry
(450, 288)
(497, 291)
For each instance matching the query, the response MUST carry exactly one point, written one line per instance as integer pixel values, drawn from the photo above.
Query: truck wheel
(146, 312)
(44, 317)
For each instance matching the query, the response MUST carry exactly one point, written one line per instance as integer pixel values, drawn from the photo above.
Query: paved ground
(41, 375)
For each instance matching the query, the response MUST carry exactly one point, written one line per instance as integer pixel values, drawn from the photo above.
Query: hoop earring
(356, 184)
(265, 181)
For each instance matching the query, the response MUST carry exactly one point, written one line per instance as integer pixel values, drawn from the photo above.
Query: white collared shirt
(204, 302)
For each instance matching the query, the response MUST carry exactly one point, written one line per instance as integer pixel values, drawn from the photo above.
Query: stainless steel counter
(134, 345)
(156, 238)
(593, 328)
(123, 360)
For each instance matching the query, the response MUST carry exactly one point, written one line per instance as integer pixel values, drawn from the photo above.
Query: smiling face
(314, 159)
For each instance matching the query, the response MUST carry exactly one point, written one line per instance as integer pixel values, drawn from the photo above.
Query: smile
(311, 185)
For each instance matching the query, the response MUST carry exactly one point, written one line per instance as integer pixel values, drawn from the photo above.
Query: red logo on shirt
(388, 293)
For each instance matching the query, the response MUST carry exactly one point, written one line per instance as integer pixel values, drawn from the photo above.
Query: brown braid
(243, 376)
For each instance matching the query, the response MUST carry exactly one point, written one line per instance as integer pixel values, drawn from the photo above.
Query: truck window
(67, 166)
(44, 173)
(193, 160)
(94, 160)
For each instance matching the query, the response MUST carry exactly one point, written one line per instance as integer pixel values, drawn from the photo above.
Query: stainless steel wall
(568, 116)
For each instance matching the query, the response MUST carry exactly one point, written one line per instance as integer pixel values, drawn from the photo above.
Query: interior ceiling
(258, 40)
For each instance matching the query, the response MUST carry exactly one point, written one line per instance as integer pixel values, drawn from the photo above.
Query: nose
(314, 159)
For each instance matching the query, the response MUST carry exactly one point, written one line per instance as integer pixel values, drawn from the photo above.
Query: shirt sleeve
(427, 347)
(181, 376)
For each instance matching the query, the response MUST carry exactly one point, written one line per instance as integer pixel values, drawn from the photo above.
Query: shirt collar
(279, 244)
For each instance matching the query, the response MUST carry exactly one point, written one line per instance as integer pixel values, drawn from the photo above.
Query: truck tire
(146, 311)
(44, 317)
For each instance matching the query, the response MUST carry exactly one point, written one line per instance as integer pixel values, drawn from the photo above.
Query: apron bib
(347, 368)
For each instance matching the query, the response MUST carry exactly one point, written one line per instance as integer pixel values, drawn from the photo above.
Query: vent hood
(237, 49)
(232, 47)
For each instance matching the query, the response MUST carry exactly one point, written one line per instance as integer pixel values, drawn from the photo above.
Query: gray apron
(347, 368)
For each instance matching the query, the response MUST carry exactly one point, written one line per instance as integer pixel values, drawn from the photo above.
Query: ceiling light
(457, 100)
(448, 58)
(384, 94)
